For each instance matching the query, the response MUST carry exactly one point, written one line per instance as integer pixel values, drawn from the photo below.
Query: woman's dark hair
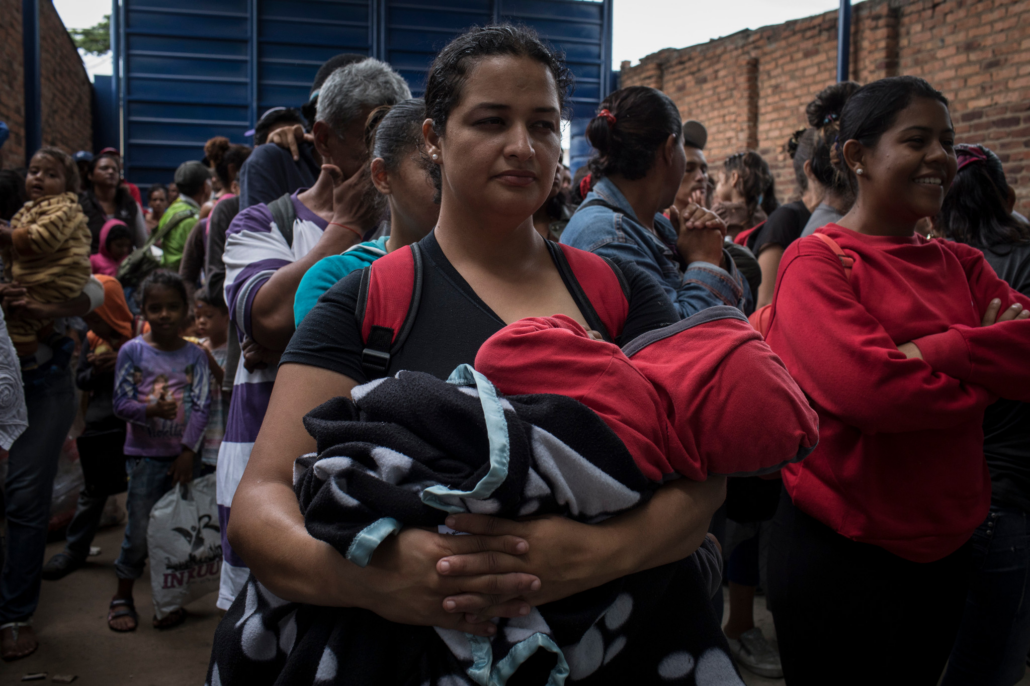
(71, 168)
(12, 192)
(225, 158)
(154, 187)
(975, 210)
(874, 108)
(117, 231)
(162, 278)
(754, 180)
(824, 114)
(800, 148)
(455, 63)
(393, 132)
(637, 123)
(105, 156)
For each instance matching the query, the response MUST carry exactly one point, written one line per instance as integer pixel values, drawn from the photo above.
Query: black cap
(695, 135)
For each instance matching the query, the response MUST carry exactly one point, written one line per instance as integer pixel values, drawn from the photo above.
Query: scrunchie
(967, 155)
(608, 117)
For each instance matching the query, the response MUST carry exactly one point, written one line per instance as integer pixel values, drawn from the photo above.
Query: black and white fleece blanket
(408, 451)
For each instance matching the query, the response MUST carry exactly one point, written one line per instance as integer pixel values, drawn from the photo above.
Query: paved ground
(74, 638)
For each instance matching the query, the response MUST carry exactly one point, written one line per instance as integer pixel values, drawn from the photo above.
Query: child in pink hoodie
(115, 246)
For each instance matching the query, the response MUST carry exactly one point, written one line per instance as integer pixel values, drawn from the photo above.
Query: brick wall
(750, 89)
(66, 90)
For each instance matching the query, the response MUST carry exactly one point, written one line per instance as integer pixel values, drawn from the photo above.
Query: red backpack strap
(603, 288)
(762, 318)
(387, 303)
(846, 262)
(743, 236)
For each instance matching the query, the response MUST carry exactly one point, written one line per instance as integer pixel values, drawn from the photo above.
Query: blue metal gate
(193, 69)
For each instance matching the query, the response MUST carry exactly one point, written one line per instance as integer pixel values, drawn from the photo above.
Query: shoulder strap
(284, 214)
(387, 304)
(602, 286)
(845, 261)
(744, 236)
(762, 318)
(173, 221)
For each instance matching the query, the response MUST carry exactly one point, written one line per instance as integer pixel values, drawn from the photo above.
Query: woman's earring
(858, 171)
(435, 156)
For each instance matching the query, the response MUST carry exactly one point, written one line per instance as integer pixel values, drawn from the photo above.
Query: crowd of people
(680, 386)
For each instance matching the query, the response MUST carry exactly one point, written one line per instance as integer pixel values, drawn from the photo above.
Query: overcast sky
(641, 26)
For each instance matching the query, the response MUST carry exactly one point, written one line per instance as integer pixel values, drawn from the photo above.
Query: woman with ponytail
(636, 173)
(824, 116)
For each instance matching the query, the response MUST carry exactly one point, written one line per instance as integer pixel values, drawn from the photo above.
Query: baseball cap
(695, 134)
(191, 174)
(83, 156)
(109, 151)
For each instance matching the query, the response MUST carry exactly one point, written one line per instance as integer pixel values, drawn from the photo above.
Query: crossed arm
(420, 577)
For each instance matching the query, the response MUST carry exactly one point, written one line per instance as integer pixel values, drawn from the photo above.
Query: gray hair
(358, 87)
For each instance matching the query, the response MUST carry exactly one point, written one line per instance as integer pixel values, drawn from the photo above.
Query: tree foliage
(95, 40)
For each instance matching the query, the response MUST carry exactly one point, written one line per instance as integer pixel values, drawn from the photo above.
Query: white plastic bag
(185, 545)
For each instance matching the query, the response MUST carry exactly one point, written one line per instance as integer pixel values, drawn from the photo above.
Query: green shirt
(174, 243)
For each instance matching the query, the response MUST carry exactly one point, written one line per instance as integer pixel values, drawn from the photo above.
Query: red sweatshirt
(900, 457)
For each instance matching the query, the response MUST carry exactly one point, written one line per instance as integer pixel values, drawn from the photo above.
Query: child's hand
(104, 362)
(181, 470)
(165, 408)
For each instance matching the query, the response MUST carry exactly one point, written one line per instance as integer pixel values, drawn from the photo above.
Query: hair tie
(830, 118)
(584, 185)
(968, 155)
(608, 117)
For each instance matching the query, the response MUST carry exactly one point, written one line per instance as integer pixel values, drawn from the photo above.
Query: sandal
(170, 620)
(10, 647)
(122, 607)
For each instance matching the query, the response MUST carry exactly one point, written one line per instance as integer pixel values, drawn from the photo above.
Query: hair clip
(608, 117)
(830, 118)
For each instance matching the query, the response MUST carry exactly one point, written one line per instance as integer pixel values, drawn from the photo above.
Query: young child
(162, 389)
(103, 439)
(212, 322)
(115, 246)
(46, 248)
(678, 397)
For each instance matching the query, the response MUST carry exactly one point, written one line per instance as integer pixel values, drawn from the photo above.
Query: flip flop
(16, 628)
(122, 607)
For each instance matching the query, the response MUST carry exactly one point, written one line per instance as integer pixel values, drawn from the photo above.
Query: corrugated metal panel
(193, 69)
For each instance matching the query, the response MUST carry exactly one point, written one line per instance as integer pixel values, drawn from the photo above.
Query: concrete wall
(750, 89)
(66, 90)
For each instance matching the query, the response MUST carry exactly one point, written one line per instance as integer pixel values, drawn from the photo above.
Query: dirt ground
(74, 638)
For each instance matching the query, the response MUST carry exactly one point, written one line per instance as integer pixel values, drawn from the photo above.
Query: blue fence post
(843, 39)
(33, 99)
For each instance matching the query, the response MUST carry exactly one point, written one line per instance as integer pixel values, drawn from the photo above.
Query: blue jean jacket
(620, 236)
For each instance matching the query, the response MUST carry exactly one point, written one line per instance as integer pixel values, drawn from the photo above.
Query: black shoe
(60, 566)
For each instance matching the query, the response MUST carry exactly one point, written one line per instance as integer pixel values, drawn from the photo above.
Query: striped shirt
(254, 250)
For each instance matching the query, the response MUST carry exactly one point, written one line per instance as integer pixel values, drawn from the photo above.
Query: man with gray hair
(290, 160)
(268, 248)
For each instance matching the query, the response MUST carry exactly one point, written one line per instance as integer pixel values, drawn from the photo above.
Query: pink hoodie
(103, 262)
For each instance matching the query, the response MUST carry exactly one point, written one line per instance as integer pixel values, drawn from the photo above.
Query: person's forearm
(670, 527)
(272, 311)
(292, 564)
(76, 307)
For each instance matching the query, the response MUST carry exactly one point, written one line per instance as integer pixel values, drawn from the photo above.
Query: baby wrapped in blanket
(578, 430)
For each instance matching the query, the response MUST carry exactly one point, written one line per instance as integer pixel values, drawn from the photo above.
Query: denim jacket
(620, 236)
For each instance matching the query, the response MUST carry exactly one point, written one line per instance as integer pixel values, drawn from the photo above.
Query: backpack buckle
(375, 360)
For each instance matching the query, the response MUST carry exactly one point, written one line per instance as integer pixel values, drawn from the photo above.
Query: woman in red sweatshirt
(899, 357)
